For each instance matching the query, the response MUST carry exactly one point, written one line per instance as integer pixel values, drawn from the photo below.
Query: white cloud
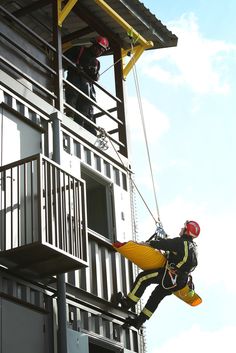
(198, 340)
(156, 122)
(196, 62)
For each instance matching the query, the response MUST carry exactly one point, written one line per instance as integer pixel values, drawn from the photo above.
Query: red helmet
(102, 41)
(192, 229)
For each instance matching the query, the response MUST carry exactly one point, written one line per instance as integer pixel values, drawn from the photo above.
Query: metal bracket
(135, 55)
(63, 13)
(141, 42)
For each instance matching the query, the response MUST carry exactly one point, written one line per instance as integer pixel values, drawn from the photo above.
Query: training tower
(64, 196)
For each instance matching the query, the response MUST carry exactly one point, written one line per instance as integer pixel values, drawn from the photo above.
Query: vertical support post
(120, 94)
(1, 126)
(58, 83)
(61, 305)
(61, 283)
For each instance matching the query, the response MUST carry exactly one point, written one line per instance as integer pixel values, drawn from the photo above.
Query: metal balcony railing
(42, 217)
(27, 56)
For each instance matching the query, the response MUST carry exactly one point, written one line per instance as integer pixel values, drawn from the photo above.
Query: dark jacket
(85, 59)
(182, 253)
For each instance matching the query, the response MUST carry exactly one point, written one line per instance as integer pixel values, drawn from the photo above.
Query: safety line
(129, 172)
(112, 65)
(145, 136)
(146, 142)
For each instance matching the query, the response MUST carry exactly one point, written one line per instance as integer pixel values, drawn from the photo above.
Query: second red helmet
(103, 42)
(192, 229)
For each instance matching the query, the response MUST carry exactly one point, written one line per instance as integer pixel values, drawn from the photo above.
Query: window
(116, 175)
(99, 195)
(20, 108)
(21, 291)
(34, 117)
(87, 154)
(95, 348)
(98, 165)
(66, 143)
(124, 181)
(77, 149)
(7, 99)
(107, 168)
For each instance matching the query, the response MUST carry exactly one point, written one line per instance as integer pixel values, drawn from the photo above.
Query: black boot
(120, 299)
(137, 322)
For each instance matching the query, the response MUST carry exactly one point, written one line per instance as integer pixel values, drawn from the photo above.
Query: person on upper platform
(181, 261)
(85, 59)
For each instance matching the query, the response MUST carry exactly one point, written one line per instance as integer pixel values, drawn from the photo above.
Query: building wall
(20, 49)
(109, 218)
(29, 305)
(18, 139)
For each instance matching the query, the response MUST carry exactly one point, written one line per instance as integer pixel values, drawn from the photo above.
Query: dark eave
(138, 16)
(88, 19)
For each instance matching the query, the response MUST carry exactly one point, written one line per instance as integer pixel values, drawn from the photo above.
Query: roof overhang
(128, 24)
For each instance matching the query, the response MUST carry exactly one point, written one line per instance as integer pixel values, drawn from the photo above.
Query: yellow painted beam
(124, 24)
(63, 13)
(137, 38)
(137, 52)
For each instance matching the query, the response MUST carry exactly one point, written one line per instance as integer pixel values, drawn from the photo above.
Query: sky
(188, 98)
(189, 104)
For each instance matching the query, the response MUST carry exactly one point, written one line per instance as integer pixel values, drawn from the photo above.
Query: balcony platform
(42, 218)
(39, 260)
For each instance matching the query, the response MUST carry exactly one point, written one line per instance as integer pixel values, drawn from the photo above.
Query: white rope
(104, 133)
(103, 143)
(145, 136)
(109, 67)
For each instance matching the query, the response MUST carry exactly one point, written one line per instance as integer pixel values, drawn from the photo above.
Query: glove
(92, 69)
(152, 243)
(157, 238)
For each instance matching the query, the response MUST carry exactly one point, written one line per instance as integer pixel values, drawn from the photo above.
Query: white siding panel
(18, 139)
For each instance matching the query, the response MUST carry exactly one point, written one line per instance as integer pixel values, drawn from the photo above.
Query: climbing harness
(172, 274)
(169, 268)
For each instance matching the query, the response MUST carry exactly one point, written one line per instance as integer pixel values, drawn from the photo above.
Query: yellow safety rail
(63, 13)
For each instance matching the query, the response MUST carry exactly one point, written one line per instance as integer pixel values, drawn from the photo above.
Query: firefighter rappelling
(171, 273)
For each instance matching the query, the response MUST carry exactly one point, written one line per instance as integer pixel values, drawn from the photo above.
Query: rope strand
(116, 62)
(104, 134)
(145, 136)
(129, 172)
